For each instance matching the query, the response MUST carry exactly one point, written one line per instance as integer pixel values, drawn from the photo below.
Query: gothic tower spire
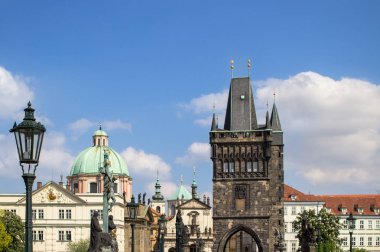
(194, 187)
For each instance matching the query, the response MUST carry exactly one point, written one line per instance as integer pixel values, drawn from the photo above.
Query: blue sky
(151, 70)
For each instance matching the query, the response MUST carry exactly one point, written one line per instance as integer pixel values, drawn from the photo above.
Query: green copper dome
(91, 159)
(180, 193)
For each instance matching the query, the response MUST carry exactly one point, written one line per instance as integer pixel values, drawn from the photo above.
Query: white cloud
(195, 153)
(332, 127)
(143, 166)
(14, 94)
(203, 106)
(54, 158)
(81, 126)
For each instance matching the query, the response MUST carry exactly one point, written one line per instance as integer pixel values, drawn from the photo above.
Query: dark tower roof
(241, 113)
(158, 195)
(275, 119)
(214, 125)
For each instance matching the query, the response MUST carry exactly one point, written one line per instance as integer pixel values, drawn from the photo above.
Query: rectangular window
(232, 167)
(61, 235)
(302, 209)
(249, 166)
(61, 214)
(377, 224)
(377, 241)
(369, 224)
(353, 241)
(345, 241)
(115, 187)
(34, 214)
(293, 228)
(361, 224)
(93, 187)
(344, 224)
(255, 169)
(294, 246)
(100, 213)
(285, 211)
(286, 227)
(294, 212)
(68, 214)
(361, 241)
(34, 235)
(68, 235)
(40, 213)
(369, 241)
(225, 166)
(40, 235)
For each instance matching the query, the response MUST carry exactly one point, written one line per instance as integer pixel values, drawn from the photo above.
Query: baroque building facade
(248, 175)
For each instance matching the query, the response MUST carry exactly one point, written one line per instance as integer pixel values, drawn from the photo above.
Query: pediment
(194, 204)
(52, 193)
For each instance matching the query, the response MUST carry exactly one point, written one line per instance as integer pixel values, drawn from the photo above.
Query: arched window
(158, 209)
(104, 142)
(115, 188)
(98, 142)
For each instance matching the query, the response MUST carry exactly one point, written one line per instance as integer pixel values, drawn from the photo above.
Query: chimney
(208, 200)
(61, 183)
(39, 184)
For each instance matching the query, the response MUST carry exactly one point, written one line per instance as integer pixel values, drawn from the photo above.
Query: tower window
(115, 187)
(232, 167)
(98, 142)
(255, 166)
(249, 166)
(225, 166)
(104, 142)
(93, 187)
(158, 209)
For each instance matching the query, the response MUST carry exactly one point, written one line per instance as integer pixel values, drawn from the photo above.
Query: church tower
(158, 202)
(248, 175)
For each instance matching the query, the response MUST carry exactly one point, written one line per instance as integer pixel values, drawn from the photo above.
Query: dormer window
(360, 210)
(376, 210)
(328, 209)
(344, 210)
(293, 197)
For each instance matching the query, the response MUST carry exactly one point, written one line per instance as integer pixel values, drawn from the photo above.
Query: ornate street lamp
(161, 232)
(351, 226)
(29, 135)
(132, 208)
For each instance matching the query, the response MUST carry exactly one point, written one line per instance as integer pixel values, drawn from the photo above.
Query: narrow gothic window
(98, 142)
(240, 197)
(225, 166)
(249, 166)
(232, 167)
(104, 142)
(255, 165)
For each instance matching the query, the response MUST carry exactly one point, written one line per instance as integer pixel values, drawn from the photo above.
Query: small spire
(194, 186)
(249, 65)
(275, 119)
(232, 68)
(274, 95)
(100, 126)
(214, 124)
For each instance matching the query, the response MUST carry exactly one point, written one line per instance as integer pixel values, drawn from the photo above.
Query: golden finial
(232, 67)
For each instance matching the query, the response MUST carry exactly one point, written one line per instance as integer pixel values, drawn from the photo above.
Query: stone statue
(109, 180)
(308, 237)
(112, 232)
(139, 198)
(144, 198)
(95, 233)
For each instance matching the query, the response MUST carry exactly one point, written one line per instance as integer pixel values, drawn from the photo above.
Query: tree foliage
(79, 246)
(325, 226)
(15, 228)
(5, 238)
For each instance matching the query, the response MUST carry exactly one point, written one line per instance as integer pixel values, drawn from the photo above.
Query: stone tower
(248, 175)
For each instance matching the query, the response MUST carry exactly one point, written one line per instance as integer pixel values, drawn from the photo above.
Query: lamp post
(351, 226)
(161, 232)
(28, 135)
(132, 214)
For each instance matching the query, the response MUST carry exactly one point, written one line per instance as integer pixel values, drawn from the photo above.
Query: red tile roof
(368, 203)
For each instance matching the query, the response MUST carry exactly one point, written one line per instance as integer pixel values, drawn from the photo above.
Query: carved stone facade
(248, 175)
